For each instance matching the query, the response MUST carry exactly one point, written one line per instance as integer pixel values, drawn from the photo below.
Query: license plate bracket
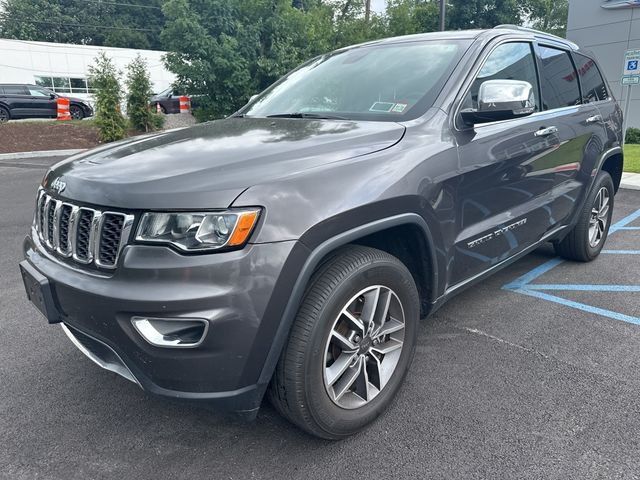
(40, 292)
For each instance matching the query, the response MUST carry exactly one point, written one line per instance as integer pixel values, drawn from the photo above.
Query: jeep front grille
(85, 235)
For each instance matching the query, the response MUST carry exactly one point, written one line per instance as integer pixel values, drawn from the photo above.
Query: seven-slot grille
(84, 234)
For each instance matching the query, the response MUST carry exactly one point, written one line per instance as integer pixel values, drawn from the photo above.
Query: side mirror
(53, 96)
(252, 97)
(501, 100)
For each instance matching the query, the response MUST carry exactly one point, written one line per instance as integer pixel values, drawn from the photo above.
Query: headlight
(198, 231)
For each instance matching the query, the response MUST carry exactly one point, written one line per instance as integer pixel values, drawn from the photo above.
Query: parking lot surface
(533, 373)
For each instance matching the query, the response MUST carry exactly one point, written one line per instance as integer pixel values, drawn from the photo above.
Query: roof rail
(508, 26)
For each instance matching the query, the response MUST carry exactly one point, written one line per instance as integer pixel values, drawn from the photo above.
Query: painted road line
(524, 286)
(584, 288)
(624, 222)
(581, 306)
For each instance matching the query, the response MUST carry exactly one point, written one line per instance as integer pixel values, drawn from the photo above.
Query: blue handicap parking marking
(632, 65)
(524, 286)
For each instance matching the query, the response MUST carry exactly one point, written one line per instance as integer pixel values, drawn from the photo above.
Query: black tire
(298, 389)
(5, 116)
(576, 245)
(76, 112)
(163, 110)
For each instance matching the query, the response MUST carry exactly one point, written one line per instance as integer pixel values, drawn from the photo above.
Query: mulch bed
(38, 136)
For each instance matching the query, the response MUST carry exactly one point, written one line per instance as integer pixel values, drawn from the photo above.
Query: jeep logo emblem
(58, 185)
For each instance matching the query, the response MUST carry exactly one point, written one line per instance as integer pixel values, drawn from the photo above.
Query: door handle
(544, 132)
(594, 119)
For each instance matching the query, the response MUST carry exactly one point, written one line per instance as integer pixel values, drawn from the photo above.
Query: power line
(66, 24)
(117, 4)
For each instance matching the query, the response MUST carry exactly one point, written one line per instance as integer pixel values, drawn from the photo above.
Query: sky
(378, 5)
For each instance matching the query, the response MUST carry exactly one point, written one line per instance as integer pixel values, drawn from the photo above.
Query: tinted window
(11, 90)
(509, 61)
(559, 79)
(38, 92)
(593, 86)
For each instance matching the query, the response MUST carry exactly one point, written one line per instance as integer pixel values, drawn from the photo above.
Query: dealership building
(609, 28)
(64, 68)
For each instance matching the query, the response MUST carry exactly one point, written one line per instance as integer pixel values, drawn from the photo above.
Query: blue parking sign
(632, 65)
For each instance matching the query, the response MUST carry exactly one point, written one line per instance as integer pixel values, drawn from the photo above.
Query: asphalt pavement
(533, 373)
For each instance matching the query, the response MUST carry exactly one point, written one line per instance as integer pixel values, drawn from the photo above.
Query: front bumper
(229, 290)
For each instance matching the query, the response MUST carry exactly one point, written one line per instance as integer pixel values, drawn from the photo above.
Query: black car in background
(170, 101)
(31, 101)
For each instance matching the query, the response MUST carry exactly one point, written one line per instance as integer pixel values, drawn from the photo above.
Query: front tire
(5, 116)
(589, 235)
(350, 346)
(76, 112)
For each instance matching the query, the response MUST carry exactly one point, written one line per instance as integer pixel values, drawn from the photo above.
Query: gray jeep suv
(291, 249)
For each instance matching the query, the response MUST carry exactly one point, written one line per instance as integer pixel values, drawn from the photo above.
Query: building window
(65, 84)
(78, 85)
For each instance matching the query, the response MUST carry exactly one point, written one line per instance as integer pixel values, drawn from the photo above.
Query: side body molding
(313, 261)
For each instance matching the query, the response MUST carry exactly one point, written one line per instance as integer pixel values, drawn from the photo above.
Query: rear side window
(593, 86)
(509, 61)
(559, 79)
(14, 90)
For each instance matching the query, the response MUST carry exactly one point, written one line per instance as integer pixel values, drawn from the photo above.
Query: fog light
(171, 332)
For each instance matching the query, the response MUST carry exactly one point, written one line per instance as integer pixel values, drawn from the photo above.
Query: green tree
(141, 116)
(227, 50)
(466, 14)
(108, 95)
(548, 15)
(405, 17)
(122, 23)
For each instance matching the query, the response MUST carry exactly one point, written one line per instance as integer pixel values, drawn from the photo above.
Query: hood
(77, 100)
(209, 165)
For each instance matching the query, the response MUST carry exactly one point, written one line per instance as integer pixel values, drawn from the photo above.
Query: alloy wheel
(364, 347)
(599, 217)
(4, 115)
(76, 113)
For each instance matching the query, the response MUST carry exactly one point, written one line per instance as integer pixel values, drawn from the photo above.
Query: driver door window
(509, 61)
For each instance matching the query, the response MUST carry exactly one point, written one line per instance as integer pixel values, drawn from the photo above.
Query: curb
(630, 181)
(40, 154)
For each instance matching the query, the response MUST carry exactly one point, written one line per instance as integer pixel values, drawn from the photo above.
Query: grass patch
(632, 158)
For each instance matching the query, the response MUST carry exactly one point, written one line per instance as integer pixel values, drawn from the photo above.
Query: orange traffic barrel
(63, 109)
(185, 104)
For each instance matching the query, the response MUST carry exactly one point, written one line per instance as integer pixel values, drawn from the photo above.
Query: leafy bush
(109, 119)
(633, 135)
(142, 116)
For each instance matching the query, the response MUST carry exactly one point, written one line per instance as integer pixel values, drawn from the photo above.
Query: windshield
(378, 82)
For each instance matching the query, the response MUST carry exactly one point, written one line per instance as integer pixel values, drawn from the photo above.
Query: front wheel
(350, 346)
(5, 116)
(587, 238)
(76, 112)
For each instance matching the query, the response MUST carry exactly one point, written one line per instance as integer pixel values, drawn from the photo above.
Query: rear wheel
(76, 112)
(5, 116)
(350, 346)
(587, 238)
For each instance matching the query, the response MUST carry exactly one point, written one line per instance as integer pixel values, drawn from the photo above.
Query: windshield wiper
(319, 116)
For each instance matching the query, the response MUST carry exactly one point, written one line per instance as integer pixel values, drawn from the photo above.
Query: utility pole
(443, 6)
